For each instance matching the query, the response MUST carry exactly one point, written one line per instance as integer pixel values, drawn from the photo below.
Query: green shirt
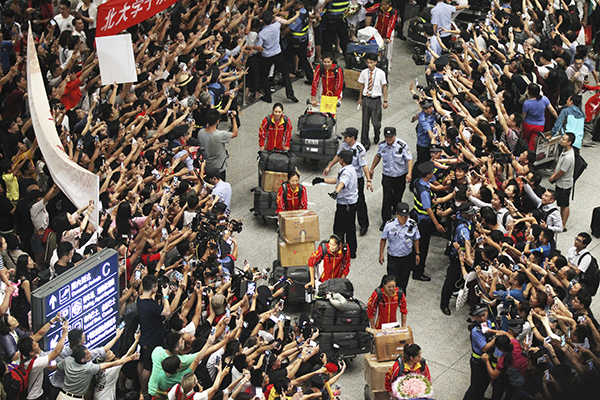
(166, 382)
(158, 355)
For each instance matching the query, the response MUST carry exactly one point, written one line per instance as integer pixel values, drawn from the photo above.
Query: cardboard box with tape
(299, 226)
(389, 343)
(271, 181)
(377, 394)
(375, 372)
(294, 254)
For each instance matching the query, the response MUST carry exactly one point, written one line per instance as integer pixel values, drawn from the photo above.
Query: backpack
(16, 381)
(578, 168)
(591, 277)
(285, 191)
(323, 246)
(380, 295)
(525, 96)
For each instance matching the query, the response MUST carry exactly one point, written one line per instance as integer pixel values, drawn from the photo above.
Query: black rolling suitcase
(265, 203)
(314, 149)
(315, 125)
(300, 276)
(347, 343)
(328, 319)
(595, 225)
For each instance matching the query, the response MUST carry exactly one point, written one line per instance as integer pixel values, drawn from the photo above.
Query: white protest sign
(116, 59)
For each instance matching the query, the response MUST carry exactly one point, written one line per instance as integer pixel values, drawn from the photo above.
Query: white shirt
(378, 81)
(106, 385)
(39, 215)
(36, 376)
(573, 258)
(189, 328)
(172, 395)
(65, 24)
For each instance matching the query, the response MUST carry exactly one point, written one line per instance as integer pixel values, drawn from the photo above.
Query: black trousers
(393, 190)
(479, 381)
(400, 5)
(298, 48)
(345, 227)
(401, 267)
(426, 229)
(332, 27)
(281, 65)
(453, 275)
(361, 207)
(253, 78)
(423, 155)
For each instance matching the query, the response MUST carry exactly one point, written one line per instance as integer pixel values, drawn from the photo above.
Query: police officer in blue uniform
(346, 196)
(402, 235)
(425, 131)
(483, 339)
(334, 24)
(359, 162)
(297, 46)
(425, 210)
(397, 170)
(463, 234)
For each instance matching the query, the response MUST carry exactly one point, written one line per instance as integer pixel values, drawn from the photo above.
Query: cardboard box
(294, 254)
(389, 343)
(271, 181)
(375, 372)
(351, 79)
(377, 394)
(299, 226)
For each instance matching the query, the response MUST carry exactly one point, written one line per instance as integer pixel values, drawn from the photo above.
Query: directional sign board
(87, 295)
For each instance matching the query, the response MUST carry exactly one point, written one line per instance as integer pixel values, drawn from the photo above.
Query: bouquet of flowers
(412, 386)
(352, 10)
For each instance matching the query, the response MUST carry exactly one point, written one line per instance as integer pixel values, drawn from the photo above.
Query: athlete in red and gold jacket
(385, 302)
(291, 194)
(410, 362)
(336, 261)
(386, 18)
(275, 130)
(331, 76)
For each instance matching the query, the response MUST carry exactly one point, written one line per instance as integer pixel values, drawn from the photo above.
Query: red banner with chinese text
(115, 16)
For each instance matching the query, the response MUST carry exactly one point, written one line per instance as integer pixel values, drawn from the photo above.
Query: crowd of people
(494, 90)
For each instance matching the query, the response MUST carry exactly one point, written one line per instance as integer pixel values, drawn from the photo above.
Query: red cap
(331, 368)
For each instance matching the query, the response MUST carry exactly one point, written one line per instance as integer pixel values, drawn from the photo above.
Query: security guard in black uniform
(298, 44)
(425, 210)
(483, 339)
(335, 24)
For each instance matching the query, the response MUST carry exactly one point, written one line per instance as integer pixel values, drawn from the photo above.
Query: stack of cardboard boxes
(298, 231)
(389, 345)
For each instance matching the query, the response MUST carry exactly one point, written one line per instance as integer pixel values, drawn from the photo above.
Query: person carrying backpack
(26, 380)
(584, 263)
(275, 131)
(385, 303)
(410, 362)
(330, 75)
(335, 258)
(292, 195)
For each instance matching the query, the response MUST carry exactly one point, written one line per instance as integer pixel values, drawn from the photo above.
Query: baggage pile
(273, 167)
(315, 140)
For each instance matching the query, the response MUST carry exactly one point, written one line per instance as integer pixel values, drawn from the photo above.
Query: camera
(419, 56)
(236, 225)
(502, 158)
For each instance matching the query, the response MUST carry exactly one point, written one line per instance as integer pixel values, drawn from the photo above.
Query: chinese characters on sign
(115, 16)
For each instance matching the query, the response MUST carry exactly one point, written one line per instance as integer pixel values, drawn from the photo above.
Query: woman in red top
(385, 302)
(292, 195)
(412, 363)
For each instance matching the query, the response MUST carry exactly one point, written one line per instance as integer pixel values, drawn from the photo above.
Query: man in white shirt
(373, 85)
(441, 17)
(64, 20)
(575, 255)
(30, 350)
(40, 219)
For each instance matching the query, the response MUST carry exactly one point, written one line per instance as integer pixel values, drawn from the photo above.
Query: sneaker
(423, 278)
(266, 100)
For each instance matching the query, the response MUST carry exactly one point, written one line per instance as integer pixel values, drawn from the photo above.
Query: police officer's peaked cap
(435, 148)
(466, 208)
(402, 209)
(346, 153)
(351, 132)
(426, 168)
(515, 325)
(478, 309)
(389, 131)
(441, 61)
(427, 103)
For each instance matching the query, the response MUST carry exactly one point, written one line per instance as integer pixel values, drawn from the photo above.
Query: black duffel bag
(315, 125)
(329, 319)
(276, 161)
(348, 343)
(342, 286)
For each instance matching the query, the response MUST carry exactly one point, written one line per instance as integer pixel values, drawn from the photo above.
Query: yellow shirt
(12, 186)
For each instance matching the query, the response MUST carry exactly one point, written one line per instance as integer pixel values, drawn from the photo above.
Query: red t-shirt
(72, 95)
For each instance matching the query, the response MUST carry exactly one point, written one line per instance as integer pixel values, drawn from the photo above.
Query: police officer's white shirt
(378, 82)
(359, 160)
(349, 193)
(395, 158)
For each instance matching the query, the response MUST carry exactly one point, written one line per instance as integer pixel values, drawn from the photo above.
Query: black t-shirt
(7, 222)
(151, 323)
(59, 269)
